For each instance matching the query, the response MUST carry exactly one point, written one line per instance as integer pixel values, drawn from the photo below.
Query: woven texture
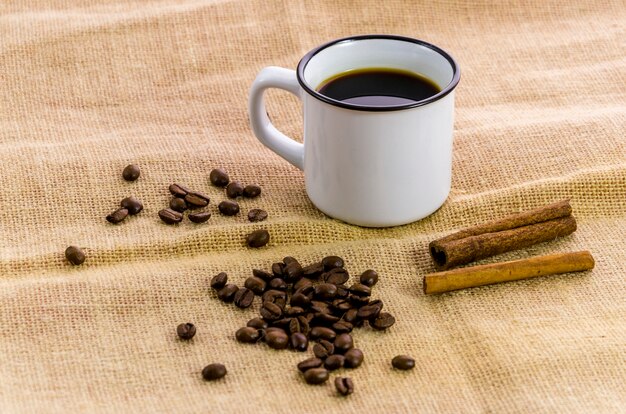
(87, 87)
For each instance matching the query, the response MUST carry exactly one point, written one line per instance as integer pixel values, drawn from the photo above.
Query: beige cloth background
(87, 87)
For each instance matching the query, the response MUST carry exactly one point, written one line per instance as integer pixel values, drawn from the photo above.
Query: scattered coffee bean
(383, 321)
(403, 362)
(262, 274)
(331, 262)
(179, 190)
(257, 323)
(334, 362)
(219, 177)
(258, 238)
(131, 204)
(243, 298)
(313, 271)
(359, 289)
(219, 280)
(117, 216)
(316, 376)
(371, 310)
(354, 358)
(199, 217)
(74, 255)
(325, 291)
(178, 204)
(310, 363)
(278, 284)
(271, 311)
(131, 172)
(196, 200)
(234, 190)
(344, 386)
(228, 208)
(343, 343)
(336, 276)
(247, 335)
(227, 293)
(186, 330)
(322, 332)
(351, 316)
(251, 191)
(255, 284)
(256, 215)
(323, 349)
(170, 216)
(299, 341)
(369, 278)
(277, 339)
(213, 372)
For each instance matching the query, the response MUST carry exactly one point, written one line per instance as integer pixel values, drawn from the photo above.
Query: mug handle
(265, 131)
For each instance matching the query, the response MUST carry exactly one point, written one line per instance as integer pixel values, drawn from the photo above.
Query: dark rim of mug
(456, 74)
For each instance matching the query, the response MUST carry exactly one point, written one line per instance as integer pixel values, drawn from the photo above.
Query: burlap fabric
(90, 86)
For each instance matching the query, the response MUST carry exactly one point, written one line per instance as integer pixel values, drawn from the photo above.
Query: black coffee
(379, 87)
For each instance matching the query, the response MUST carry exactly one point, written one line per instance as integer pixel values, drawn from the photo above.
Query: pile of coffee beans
(304, 305)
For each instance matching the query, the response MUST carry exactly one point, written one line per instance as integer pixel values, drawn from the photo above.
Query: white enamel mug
(367, 165)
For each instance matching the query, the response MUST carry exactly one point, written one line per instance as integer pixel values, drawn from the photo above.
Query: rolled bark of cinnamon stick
(507, 271)
(500, 236)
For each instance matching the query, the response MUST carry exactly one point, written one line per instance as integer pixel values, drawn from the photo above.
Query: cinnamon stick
(507, 271)
(510, 233)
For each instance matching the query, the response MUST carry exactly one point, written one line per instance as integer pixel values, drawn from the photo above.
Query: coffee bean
(316, 376)
(371, 310)
(325, 291)
(341, 305)
(310, 363)
(196, 200)
(257, 323)
(369, 278)
(294, 311)
(178, 204)
(131, 204)
(324, 318)
(358, 301)
(351, 316)
(256, 284)
(274, 296)
(170, 216)
(302, 283)
(275, 329)
(299, 342)
(331, 262)
(342, 291)
(117, 216)
(252, 191)
(304, 324)
(213, 372)
(342, 327)
(234, 190)
(354, 358)
(256, 215)
(247, 335)
(313, 271)
(219, 177)
(270, 311)
(74, 255)
(199, 217)
(336, 276)
(186, 330)
(228, 208)
(343, 343)
(278, 284)
(319, 306)
(227, 293)
(277, 269)
(131, 172)
(359, 289)
(219, 280)
(277, 339)
(322, 332)
(262, 274)
(323, 349)
(383, 321)
(243, 298)
(334, 362)
(403, 362)
(179, 190)
(290, 259)
(258, 238)
(298, 299)
(344, 386)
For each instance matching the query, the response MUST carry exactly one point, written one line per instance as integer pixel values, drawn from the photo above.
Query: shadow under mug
(372, 166)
